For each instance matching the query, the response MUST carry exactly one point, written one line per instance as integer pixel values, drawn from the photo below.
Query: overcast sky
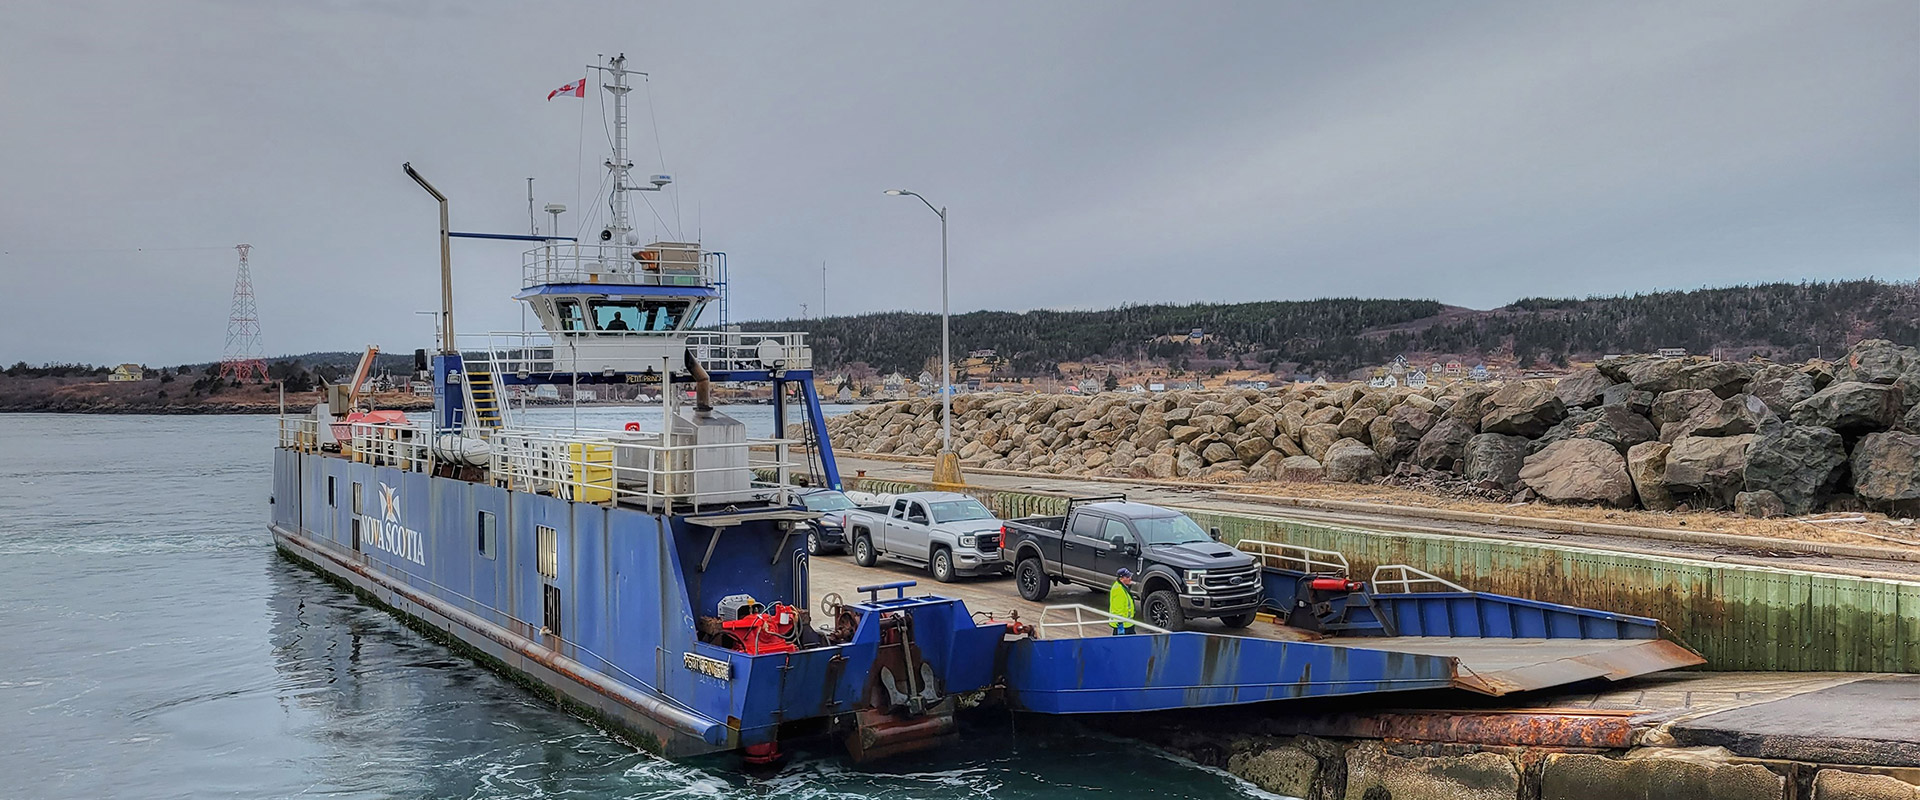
(1093, 154)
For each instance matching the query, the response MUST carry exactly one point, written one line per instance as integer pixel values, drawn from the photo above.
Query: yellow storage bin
(590, 471)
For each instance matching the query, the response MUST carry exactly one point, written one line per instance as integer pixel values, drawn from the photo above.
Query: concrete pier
(1779, 735)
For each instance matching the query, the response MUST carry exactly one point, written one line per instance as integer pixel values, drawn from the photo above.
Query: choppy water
(156, 646)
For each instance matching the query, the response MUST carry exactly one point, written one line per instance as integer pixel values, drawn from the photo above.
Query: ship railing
(646, 469)
(521, 354)
(1281, 555)
(1080, 618)
(300, 433)
(388, 445)
(1403, 579)
(658, 264)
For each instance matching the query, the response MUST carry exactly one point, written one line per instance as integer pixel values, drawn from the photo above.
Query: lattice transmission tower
(243, 357)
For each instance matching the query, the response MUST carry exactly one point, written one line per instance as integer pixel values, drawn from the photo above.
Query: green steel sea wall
(1739, 617)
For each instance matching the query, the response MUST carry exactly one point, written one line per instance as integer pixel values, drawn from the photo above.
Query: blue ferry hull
(619, 641)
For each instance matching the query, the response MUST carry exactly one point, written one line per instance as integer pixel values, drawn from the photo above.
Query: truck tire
(1239, 620)
(814, 546)
(863, 549)
(1162, 610)
(1031, 575)
(941, 565)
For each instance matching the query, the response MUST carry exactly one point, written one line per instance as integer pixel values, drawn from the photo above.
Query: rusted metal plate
(1543, 727)
(1503, 666)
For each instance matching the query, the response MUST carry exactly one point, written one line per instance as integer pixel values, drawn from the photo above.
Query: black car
(828, 534)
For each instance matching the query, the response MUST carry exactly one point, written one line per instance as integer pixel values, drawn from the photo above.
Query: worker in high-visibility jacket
(1120, 603)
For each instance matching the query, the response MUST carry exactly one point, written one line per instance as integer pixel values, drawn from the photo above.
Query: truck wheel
(1032, 577)
(1163, 611)
(813, 543)
(1238, 620)
(863, 550)
(942, 565)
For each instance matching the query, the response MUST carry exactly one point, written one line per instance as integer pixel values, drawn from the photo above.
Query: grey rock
(1218, 452)
(1616, 425)
(1351, 461)
(1579, 471)
(1583, 389)
(1723, 378)
(1468, 406)
(1526, 408)
(1851, 407)
(1741, 413)
(1911, 422)
(1781, 387)
(1886, 472)
(1876, 361)
(1495, 458)
(1443, 446)
(1799, 464)
(1712, 468)
(1623, 394)
(1760, 504)
(1675, 406)
(1655, 375)
(1647, 466)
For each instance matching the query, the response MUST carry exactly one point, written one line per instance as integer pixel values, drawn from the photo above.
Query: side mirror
(1133, 549)
(917, 519)
(1214, 532)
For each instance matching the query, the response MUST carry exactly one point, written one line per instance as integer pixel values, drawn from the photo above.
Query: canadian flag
(577, 89)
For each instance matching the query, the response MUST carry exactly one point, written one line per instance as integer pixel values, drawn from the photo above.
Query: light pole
(946, 357)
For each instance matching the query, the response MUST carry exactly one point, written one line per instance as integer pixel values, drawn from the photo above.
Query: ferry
(656, 580)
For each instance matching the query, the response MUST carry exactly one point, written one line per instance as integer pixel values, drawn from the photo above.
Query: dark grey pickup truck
(1181, 572)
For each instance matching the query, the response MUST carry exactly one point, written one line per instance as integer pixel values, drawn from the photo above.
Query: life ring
(633, 427)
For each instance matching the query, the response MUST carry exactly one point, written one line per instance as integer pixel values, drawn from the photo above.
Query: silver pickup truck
(950, 534)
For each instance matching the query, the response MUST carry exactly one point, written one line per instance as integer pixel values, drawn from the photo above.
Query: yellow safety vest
(1119, 604)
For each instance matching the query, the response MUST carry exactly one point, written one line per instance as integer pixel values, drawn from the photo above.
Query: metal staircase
(484, 403)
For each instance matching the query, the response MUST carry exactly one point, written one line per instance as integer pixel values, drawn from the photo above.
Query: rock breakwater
(1656, 433)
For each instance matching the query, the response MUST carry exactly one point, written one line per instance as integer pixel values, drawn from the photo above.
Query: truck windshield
(827, 501)
(1176, 529)
(960, 510)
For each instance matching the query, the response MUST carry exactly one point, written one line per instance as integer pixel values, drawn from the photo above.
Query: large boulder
(1315, 439)
(1781, 387)
(1579, 471)
(1654, 375)
(1741, 413)
(1445, 445)
(1851, 407)
(1583, 388)
(1760, 504)
(1723, 378)
(1526, 408)
(1712, 468)
(1302, 469)
(1495, 458)
(1615, 425)
(1354, 424)
(1218, 452)
(1253, 448)
(1351, 461)
(1467, 406)
(1623, 394)
(1647, 466)
(1878, 361)
(1911, 422)
(1886, 472)
(1675, 406)
(1800, 464)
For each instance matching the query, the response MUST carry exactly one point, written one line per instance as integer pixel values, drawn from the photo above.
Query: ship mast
(621, 228)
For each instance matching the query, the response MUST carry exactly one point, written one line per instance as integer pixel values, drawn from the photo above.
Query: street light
(946, 357)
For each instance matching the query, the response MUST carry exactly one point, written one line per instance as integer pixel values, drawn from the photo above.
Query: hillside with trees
(1782, 321)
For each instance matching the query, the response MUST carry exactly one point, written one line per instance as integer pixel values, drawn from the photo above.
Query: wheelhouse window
(640, 316)
(573, 319)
